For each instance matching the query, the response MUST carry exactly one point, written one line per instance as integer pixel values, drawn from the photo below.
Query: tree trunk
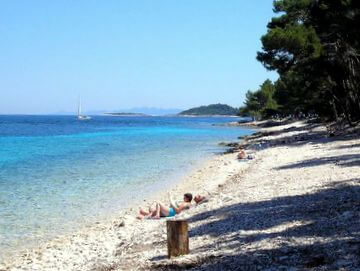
(335, 110)
(177, 238)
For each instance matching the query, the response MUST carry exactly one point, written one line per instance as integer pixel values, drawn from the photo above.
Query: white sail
(80, 116)
(79, 107)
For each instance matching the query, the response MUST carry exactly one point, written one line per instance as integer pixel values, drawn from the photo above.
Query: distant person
(241, 155)
(161, 210)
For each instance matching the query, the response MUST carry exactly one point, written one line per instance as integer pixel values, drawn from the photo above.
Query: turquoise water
(57, 173)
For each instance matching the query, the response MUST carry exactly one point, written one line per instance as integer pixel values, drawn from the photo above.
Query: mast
(79, 107)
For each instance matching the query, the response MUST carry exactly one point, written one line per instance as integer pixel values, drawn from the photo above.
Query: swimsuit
(171, 212)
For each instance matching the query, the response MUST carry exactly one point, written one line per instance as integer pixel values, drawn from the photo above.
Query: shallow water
(57, 173)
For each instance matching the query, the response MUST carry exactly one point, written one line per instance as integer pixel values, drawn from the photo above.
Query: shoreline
(189, 181)
(121, 212)
(294, 206)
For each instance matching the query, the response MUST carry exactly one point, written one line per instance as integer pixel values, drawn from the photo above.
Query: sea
(58, 173)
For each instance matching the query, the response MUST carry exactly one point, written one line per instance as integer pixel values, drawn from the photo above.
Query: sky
(118, 54)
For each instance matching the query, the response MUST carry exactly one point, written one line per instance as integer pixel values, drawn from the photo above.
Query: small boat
(79, 115)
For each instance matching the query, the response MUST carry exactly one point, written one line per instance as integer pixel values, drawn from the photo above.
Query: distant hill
(152, 111)
(212, 109)
(127, 114)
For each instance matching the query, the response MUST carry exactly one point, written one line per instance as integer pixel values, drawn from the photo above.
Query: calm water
(57, 173)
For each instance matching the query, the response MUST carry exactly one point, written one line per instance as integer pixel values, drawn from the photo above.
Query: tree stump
(177, 237)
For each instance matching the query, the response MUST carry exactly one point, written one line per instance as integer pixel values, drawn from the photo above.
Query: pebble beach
(293, 206)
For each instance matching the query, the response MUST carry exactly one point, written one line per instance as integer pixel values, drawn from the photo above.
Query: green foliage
(314, 45)
(212, 109)
(260, 104)
(288, 46)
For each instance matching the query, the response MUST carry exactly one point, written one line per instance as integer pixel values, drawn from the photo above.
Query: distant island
(211, 110)
(205, 110)
(127, 114)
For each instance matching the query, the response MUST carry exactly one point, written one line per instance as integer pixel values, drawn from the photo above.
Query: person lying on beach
(161, 210)
(242, 155)
(200, 199)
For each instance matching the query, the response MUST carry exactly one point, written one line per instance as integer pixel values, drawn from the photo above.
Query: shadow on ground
(347, 160)
(307, 134)
(330, 214)
(348, 146)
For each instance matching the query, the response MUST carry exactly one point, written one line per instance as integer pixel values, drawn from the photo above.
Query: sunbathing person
(200, 199)
(242, 154)
(161, 210)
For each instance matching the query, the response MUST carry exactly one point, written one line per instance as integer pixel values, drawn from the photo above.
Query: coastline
(98, 241)
(286, 208)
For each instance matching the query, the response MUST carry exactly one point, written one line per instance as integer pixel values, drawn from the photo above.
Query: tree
(314, 46)
(260, 104)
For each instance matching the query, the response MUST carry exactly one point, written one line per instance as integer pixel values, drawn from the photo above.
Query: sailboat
(79, 115)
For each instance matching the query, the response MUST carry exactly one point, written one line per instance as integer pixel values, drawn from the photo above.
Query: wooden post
(177, 237)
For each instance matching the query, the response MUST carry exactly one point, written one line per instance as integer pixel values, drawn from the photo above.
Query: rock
(119, 224)
(227, 199)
